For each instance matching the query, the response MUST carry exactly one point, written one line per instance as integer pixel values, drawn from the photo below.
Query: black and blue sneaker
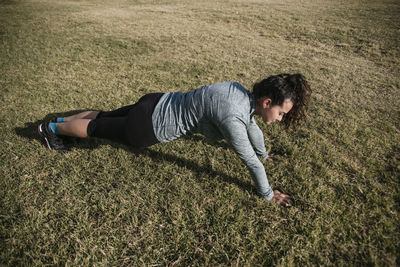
(52, 140)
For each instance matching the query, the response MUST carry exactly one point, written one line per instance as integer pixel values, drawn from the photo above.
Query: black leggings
(131, 125)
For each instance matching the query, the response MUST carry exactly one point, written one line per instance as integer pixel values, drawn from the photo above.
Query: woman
(222, 110)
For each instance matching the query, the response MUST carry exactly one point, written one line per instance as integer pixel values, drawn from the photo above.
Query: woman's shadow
(29, 131)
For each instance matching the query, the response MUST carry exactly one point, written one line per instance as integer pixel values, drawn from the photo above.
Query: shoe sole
(40, 131)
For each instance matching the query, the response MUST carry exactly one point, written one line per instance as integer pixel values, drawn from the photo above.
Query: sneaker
(52, 140)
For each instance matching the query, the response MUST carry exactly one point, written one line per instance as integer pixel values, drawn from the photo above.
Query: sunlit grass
(191, 202)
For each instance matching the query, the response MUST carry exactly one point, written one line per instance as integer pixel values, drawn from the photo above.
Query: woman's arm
(257, 139)
(235, 132)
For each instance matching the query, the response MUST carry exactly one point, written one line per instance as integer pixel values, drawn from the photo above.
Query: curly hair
(286, 86)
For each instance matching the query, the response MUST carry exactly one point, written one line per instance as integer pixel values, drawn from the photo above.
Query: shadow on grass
(158, 156)
(29, 131)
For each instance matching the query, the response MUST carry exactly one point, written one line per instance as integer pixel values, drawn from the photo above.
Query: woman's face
(271, 113)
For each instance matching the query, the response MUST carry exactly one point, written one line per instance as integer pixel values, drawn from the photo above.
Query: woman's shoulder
(228, 89)
(229, 99)
(227, 84)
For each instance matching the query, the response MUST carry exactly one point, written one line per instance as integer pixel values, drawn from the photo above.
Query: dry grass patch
(190, 202)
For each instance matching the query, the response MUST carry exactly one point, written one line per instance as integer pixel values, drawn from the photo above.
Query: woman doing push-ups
(221, 110)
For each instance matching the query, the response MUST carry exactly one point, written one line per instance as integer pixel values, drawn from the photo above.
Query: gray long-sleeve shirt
(221, 110)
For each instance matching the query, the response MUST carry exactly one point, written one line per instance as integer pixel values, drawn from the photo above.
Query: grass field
(190, 202)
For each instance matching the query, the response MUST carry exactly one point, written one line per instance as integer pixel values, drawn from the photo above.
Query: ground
(191, 202)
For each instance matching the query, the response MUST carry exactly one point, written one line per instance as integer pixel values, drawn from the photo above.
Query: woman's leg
(135, 127)
(76, 125)
(130, 124)
(75, 128)
(83, 115)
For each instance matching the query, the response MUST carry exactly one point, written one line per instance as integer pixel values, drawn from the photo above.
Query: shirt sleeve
(257, 139)
(235, 132)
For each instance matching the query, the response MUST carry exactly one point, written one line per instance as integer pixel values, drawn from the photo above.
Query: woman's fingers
(281, 199)
(285, 202)
(271, 156)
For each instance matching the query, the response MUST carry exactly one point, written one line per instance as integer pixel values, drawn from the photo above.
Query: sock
(60, 119)
(53, 128)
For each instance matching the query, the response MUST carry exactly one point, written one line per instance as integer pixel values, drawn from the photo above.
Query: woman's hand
(281, 199)
(271, 157)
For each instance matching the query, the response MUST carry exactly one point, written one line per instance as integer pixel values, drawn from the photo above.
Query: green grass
(190, 202)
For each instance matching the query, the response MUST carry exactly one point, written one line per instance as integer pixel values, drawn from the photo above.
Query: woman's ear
(266, 103)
